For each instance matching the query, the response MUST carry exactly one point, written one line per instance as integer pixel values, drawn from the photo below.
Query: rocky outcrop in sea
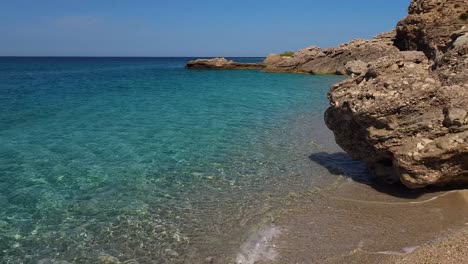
(222, 64)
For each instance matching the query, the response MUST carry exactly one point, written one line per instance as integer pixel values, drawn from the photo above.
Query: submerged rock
(406, 116)
(106, 259)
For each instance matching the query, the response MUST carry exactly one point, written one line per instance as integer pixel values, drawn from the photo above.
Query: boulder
(356, 67)
(455, 117)
(272, 59)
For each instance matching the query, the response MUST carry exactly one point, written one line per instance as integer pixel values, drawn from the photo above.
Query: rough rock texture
(406, 114)
(452, 66)
(222, 63)
(356, 67)
(291, 64)
(272, 59)
(314, 60)
(429, 24)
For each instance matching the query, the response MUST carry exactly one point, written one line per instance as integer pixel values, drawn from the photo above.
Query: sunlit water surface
(145, 161)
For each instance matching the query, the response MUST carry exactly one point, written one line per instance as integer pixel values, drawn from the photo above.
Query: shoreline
(350, 217)
(276, 241)
(404, 114)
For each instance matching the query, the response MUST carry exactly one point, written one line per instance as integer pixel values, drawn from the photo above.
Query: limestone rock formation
(314, 60)
(406, 114)
(429, 24)
(356, 67)
(452, 66)
(221, 63)
(272, 59)
(291, 64)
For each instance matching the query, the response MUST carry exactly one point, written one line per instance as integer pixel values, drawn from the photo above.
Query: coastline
(350, 217)
(403, 112)
(131, 160)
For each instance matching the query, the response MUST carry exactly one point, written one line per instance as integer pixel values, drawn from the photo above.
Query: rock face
(292, 64)
(429, 24)
(356, 67)
(314, 60)
(222, 63)
(406, 113)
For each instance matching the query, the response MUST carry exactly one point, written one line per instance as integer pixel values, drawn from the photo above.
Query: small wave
(258, 246)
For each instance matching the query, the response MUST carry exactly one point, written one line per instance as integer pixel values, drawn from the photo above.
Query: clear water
(143, 160)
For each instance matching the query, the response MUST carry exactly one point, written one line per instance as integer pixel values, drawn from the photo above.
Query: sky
(187, 28)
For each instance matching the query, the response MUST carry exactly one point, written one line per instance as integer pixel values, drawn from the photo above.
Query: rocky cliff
(405, 114)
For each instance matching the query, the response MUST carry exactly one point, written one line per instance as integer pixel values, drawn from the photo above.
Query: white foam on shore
(404, 251)
(258, 246)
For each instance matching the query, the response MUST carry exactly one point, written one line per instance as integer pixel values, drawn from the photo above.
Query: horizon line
(89, 56)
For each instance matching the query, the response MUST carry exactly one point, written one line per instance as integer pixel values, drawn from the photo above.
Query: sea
(140, 160)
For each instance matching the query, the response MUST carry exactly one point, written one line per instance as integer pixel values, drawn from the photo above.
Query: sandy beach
(447, 250)
(356, 224)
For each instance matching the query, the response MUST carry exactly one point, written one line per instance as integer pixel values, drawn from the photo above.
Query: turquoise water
(143, 160)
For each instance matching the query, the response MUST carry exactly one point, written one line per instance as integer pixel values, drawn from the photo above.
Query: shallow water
(145, 161)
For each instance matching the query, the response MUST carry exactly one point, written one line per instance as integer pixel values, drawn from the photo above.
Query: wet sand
(355, 224)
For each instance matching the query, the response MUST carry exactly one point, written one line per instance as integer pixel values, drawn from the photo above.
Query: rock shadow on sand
(340, 163)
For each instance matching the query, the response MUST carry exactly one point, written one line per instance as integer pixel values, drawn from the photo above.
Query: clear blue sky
(187, 27)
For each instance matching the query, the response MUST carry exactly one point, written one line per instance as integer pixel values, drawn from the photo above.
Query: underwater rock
(106, 259)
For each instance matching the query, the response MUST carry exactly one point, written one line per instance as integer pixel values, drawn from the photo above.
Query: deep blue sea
(145, 161)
